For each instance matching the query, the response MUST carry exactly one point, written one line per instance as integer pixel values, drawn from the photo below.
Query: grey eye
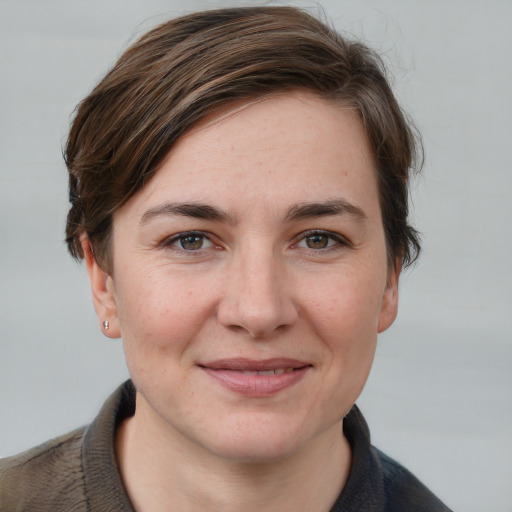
(191, 242)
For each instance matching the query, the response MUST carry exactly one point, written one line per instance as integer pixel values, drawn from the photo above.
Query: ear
(389, 306)
(102, 287)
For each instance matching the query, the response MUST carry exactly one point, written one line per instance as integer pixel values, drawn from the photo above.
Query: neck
(159, 471)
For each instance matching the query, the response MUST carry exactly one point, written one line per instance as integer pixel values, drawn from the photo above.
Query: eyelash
(339, 241)
(170, 242)
(334, 240)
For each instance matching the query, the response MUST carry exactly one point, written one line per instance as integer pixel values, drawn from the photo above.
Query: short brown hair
(189, 67)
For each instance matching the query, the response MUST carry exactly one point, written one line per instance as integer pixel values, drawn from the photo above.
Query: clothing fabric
(78, 472)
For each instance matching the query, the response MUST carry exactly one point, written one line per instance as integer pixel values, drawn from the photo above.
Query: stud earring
(106, 325)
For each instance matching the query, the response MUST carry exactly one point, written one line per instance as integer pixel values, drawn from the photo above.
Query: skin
(264, 280)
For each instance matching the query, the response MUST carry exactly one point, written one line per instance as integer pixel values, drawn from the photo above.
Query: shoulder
(403, 490)
(376, 482)
(48, 477)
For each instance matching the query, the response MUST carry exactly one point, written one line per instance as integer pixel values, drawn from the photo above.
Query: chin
(256, 451)
(261, 441)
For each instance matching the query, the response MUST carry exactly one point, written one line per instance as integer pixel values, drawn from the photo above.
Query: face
(250, 280)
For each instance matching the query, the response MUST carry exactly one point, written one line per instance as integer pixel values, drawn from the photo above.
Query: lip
(241, 375)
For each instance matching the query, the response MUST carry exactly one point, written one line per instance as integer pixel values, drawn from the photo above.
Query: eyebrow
(326, 208)
(194, 210)
(296, 212)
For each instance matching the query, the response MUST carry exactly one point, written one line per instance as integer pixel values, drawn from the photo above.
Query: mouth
(277, 371)
(256, 378)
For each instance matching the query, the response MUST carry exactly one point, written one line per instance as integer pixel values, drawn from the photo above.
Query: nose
(257, 297)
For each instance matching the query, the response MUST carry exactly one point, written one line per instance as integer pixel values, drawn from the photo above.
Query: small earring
(106, 325)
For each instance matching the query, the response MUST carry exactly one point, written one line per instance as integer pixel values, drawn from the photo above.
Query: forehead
(282, 150)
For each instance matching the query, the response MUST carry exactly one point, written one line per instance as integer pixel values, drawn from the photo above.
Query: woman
(238, 186)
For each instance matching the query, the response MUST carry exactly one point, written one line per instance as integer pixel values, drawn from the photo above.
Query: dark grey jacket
(78, 472)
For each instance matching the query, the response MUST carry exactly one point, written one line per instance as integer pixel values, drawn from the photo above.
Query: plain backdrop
(439, 399)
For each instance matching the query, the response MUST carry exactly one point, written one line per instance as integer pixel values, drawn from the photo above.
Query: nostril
(261, 332)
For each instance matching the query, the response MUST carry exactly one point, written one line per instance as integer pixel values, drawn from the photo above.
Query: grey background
(440, 396)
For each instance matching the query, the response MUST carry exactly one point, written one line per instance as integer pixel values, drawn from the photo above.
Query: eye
(190, 241)
(318, 240)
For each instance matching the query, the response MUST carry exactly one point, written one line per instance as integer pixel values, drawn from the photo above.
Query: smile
(277, 371)
(256, 378)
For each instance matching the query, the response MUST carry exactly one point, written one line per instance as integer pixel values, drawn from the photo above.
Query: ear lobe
(389, 306)
(102, 288)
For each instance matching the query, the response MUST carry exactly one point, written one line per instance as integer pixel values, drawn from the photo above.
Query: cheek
(158, 318)
(349, 303)
(345, 316)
